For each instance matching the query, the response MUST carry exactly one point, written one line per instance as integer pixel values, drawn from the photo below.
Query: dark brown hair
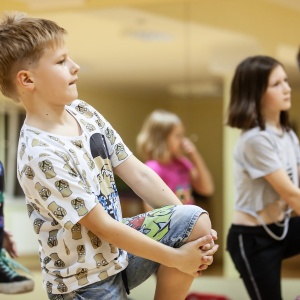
(249, 83)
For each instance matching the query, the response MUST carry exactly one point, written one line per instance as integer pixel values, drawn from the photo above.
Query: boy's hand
(193, 260)
(214, 236)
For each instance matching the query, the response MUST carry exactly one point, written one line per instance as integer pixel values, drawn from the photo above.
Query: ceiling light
(196, 89)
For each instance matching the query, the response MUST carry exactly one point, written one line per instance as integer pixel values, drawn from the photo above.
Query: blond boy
(67, 156)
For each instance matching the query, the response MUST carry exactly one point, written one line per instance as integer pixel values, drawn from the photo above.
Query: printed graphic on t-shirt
(184, 194)
(289, 171)
(108, 191)
(62, 179)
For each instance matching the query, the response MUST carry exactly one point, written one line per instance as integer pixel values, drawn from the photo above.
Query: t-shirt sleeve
(53, 185)
(260, 156)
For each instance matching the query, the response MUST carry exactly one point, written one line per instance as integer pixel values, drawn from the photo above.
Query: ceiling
(129, 48)
(167, 46)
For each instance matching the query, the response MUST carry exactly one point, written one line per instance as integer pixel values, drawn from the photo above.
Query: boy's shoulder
(80, 108)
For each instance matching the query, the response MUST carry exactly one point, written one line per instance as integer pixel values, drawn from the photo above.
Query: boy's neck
(59, 124)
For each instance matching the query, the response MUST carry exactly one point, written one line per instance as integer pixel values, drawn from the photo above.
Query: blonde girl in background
(174, 157)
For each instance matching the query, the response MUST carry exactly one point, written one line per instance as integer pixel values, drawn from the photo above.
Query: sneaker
(10, 281)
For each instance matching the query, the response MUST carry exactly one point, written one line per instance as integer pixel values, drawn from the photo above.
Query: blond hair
(152, 139)
(22, 42)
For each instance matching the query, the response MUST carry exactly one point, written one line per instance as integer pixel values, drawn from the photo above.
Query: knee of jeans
(201, 228)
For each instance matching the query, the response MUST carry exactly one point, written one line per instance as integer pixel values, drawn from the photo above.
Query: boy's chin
(73, 100)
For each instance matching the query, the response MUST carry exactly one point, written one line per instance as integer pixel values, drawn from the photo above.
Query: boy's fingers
(214, 234)
(203, 241)
(207, 260)
(208, 246)
(211, 251)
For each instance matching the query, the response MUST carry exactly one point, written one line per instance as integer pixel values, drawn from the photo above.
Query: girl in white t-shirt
(266, 172)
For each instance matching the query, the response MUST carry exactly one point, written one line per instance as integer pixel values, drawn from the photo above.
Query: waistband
(258, 229)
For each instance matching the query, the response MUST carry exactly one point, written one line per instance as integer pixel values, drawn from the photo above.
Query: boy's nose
(76, 68)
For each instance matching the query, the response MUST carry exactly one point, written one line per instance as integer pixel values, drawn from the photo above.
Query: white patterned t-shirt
(63, 178)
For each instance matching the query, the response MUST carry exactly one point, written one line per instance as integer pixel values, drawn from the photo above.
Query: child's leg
(171, 283)
(173, 226)
(257, 257)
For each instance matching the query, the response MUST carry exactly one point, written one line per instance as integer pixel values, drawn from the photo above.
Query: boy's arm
(187, 258)
(146, 183)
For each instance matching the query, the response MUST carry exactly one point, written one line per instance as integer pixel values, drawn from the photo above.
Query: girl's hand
(188, 146)
(9, 244)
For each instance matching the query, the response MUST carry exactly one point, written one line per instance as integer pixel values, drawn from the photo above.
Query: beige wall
(202, 118)
(270, 25)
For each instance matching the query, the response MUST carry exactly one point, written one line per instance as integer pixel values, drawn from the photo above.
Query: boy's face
(55, 76)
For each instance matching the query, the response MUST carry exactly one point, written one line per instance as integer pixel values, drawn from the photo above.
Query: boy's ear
(24, 80)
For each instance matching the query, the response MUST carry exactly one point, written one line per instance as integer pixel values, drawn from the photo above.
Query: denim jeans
(170, 225)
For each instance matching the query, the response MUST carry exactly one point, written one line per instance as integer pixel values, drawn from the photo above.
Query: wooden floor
(231, 288)
(290, 269)
(211, 282)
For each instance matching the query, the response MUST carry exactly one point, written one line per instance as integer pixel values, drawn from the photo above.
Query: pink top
(176, 175)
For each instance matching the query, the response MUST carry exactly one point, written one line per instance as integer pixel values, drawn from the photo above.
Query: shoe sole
(17, 287)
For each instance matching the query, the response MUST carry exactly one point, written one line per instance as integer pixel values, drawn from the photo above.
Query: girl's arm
(283, 185)
(201, 178)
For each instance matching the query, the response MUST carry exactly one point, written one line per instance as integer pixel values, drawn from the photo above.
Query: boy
(66, 159)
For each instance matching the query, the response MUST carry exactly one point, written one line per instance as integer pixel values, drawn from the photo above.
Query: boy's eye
(61, 62)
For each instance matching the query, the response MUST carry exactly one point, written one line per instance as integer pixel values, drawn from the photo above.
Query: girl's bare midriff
(274, 212)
